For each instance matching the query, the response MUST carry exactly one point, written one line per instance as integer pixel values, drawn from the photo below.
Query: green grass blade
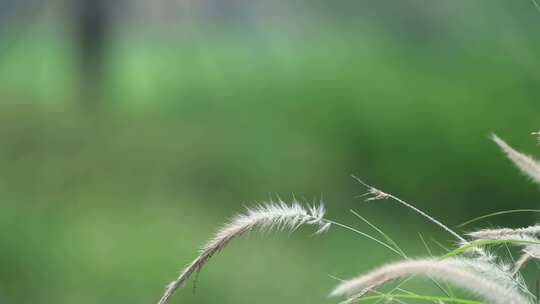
(471, 245)
(420, 298)
(476, 219)
(382, 233)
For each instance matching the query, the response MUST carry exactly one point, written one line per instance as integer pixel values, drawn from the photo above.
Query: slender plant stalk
(264, 217)
(379, 194)
(527, 164)
(456, 271)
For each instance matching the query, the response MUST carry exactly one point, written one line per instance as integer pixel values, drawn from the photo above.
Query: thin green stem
(495, 214)
(420, 298)
(365, 235)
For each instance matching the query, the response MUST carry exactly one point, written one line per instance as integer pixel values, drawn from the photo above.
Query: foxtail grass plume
(529, 236)
(527, 164)
(263, 217)
(457, 271)
(530, 167)
(506, 233)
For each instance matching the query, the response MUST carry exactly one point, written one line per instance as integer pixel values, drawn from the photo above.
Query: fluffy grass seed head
(457, 271)
(505, 233)
(527, 164)
(529, 236)
(268, 216)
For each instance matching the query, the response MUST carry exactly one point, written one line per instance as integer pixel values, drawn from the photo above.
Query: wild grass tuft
(474, 265)
(458, 271)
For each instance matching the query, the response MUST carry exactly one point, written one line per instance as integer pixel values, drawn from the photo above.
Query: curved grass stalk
(265, 217)
(481, 243)
(495, 214)
(391, 242)
(527, 164)
(506, 233)
(456, 271)
(505, 272)
(527, 237)
(521, 262)
(419, 298)
(379, 194)
(388, 239)
(376, 240)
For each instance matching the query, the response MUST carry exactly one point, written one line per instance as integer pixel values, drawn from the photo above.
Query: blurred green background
(204, 107)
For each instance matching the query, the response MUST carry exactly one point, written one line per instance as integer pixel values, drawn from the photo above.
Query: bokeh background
(130, 130)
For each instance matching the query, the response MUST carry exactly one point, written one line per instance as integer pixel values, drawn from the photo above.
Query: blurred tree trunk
(92, 27)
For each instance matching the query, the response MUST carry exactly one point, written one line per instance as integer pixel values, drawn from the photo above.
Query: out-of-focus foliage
(207, 112)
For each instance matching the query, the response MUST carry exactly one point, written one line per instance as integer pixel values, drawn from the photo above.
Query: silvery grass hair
(471, 266)
(269, 216)
(471, 275)
(526, 237)
(527, 164)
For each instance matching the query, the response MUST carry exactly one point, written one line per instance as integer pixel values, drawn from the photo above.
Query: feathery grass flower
(264, 217)
(527, 164)
(471, 275)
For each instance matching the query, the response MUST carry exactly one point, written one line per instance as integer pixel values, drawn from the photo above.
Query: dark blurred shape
(92, 30)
